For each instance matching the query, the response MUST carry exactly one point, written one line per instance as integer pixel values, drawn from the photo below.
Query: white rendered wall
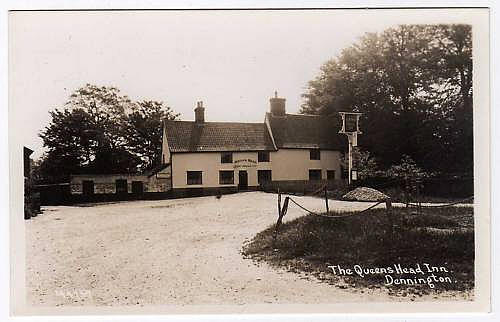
(294, 164)
(286, 164)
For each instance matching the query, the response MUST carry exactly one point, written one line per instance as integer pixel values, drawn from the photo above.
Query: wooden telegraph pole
(350, 127)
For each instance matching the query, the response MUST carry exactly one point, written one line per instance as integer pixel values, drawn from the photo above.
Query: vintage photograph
(250, 157)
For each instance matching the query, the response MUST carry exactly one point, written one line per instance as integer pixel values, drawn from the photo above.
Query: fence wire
(439, 206)
(329, 216)
(374, 205)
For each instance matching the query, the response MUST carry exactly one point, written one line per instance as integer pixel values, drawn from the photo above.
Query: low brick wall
(302, 186)
(199, 192)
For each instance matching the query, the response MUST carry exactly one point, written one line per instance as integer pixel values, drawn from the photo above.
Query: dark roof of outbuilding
(306, 131)
(187, 136)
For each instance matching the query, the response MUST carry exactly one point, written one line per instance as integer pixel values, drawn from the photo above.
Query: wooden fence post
(281, 214)
(326, 200)
(279, 202)
(390, 219)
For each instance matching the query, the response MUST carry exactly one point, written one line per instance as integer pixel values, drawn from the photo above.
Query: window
(194, 177)
(263, 176)
(121, 186)
(343, 173)
(263, 156)
(88, 187)
(315, 174)
(314, 154)
(330, 174)
(226, 157)
(137, 187)
(226, 177)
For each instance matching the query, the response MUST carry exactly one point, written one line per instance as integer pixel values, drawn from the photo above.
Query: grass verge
(442, 238)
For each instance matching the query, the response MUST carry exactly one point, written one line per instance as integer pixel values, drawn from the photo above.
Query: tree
(106, 108)
(101, 131)
(363, 162)
(413, 84)
(143, 131)
(409, 174)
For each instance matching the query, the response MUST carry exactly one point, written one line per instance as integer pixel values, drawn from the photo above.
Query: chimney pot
(277, 105)
(199, 113)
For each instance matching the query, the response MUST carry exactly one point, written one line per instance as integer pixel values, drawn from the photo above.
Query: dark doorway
(243, 180)
(137, 187)
(121, 186)
(88, 187)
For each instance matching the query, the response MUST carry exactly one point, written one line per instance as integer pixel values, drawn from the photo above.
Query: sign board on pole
(350, 127)
(350, 122)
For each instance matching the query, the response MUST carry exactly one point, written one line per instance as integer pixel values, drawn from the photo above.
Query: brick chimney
(199, 113)
(277, 105)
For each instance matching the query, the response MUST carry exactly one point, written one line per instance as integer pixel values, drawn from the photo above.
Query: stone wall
(106, 184)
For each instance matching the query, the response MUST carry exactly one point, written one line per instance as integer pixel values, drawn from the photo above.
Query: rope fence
(440, 206)
(329, 216)
(283, 210)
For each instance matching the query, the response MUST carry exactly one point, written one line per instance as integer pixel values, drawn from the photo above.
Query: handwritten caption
(398, 274)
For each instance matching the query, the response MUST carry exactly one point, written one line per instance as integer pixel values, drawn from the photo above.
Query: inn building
(285, 149)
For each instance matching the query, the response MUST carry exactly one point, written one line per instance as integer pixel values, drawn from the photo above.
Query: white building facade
(284, 149)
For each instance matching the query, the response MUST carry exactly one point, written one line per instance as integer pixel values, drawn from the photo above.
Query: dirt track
(184, 251)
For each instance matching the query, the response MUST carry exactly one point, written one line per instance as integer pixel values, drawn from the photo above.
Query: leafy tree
(143, 131)
(407, 169)
(106, 108)
(409, 174)
(363, 162)
(99, 130)
(413, 84)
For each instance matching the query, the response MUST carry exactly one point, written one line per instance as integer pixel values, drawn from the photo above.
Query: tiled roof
(306, 131)
(187, 136)
(288, 131)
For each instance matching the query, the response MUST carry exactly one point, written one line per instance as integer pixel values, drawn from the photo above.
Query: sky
(233, 61)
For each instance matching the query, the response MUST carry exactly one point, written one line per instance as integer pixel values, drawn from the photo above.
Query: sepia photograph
(225, 161)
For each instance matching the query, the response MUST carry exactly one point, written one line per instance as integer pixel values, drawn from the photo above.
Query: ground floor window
(194, 177)
(264, 176)
(121, 186)
(88, 187)
(226, 177)
(315, 174)
(137, 187)
(330, 174)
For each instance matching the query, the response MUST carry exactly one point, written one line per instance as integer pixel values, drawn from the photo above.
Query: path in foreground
(184, 251)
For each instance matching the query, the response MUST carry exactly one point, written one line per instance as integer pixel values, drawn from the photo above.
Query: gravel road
(183, 251)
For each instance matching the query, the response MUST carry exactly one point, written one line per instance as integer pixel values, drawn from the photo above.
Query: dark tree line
(414, 85)
(99, 130)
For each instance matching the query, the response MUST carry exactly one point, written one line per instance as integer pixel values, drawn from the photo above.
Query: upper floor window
(314, 154)
(226, 157)
(194, 177)
(263, 156)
